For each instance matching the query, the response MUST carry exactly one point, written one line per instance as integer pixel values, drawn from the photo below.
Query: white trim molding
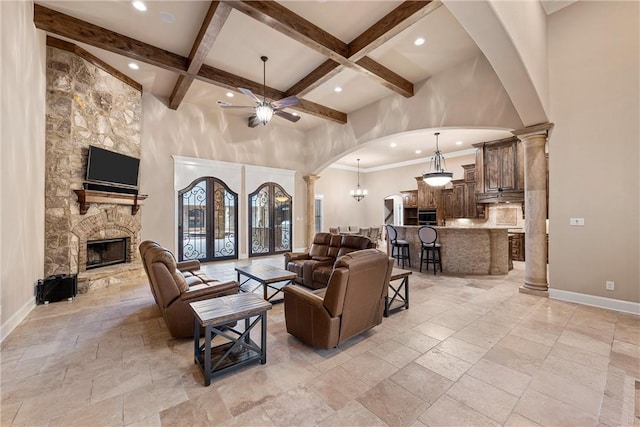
(596, 301)
(7, 327)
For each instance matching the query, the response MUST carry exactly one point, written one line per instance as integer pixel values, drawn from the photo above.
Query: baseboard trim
(19, 316)
(596, 301)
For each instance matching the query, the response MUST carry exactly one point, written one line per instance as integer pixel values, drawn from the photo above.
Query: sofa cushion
(334, 245)
(320, 245)
(353, 243)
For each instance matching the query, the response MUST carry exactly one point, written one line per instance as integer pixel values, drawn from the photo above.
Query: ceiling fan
(264, 110)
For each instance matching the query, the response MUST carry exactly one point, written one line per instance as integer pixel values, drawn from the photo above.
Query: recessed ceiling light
(393, 144)
(134, 66)
(338, 89)
(458, 142)
(140, 5)
(167, 17)
(418, 151)
(294, 114)
(230, 94)
(419, 41)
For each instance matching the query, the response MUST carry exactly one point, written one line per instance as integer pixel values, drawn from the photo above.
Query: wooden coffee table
(267, 276)
(397, 301)
(215, 315)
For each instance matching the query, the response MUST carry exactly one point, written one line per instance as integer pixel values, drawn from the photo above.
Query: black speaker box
(57, 288)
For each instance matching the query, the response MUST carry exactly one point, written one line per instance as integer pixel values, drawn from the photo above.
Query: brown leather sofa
(353, 301)
(314, 267)
(173, 290)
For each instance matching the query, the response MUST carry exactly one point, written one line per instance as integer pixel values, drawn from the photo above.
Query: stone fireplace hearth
(86, 105)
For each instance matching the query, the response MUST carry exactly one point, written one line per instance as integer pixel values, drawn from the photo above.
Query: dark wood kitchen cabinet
(427, 195)
(453, 200)
(499, 171)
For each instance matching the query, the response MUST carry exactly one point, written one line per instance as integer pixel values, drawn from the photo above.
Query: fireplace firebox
(101, 253)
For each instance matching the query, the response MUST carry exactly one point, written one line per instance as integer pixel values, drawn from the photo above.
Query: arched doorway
(207, 221)
(269, 220)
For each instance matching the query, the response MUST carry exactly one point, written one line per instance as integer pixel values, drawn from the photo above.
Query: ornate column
(310, 211)
(535, 204)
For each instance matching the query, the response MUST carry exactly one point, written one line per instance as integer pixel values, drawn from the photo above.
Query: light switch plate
(576, 221)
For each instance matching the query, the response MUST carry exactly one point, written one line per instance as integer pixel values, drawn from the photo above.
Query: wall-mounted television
(111, 168)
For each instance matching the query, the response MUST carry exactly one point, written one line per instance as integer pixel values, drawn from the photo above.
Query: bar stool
(428, 236)
(399, 248)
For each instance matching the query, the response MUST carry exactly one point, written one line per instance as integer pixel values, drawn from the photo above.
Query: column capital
(310, 178)
(542, 129)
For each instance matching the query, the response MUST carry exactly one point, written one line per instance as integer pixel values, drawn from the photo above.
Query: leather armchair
(173, 291)
(353, 301)
(303, 263)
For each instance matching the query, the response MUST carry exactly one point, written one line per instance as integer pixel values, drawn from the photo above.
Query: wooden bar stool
(399, 248)
(428, 237)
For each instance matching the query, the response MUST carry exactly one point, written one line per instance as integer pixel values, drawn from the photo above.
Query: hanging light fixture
(358, 193)
(437, 176)
(264, 110)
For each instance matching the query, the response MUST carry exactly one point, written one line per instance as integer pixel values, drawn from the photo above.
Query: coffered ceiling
(198, 52)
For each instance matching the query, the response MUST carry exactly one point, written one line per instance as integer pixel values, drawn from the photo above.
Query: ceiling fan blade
(286, 115)
(253, 121)
(229, 107)
(249, 94)
(286, 102)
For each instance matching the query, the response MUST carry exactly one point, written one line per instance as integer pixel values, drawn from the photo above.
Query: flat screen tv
(108, 167)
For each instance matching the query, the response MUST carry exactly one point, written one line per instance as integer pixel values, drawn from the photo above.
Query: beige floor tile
(584, 342)
(8, 413)
(513, 359)
(105, 413)
(484, 398)
(449, 412)
(135, 376)
(297, 407)
(483, 334)
(584, 357)
(17, 390)
(353, 414)
(422, 382)
(576, 372)
(392, 403)
(246, 390)
(39, 409)
(546, 410)
(517, 420)
(329, 363)
(444, 364)
(434, 330)
(204, 410)
(369, 368)
(395, 353)
(253, 417)
(504, 378)
(337, 387)
(523, 345)
(417, 341)
(150, 421)
(163, 394)
(455, 319)
(462, 349)
(538, 332)
(578, 395)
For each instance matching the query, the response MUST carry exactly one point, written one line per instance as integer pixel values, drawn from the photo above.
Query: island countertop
(472, 250)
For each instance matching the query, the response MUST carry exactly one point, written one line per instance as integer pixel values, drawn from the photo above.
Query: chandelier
(437, 176)
(358, 193)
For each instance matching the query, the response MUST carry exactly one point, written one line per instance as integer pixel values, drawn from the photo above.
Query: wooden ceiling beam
(211, 26)
(230, 81)
(67, 26)
(396, 21)
(324, 72)
(299, 29)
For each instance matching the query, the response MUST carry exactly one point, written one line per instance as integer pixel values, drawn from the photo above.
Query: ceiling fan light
(437, 179)
(264, 113)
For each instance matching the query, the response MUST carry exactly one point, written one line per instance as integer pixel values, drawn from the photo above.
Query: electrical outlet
(576, 221)
(609, 285)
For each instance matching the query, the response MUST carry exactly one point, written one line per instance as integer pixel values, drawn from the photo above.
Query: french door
(207, 221)
(269, 220)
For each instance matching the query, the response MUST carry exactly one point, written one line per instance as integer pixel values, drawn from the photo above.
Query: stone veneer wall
(85, 106)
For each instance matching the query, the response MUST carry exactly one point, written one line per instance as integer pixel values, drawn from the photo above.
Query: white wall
(208, 134)
(22, 90)
(594, 148)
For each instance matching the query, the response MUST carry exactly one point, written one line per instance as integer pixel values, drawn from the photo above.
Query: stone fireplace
(101, 253)
(87, 105)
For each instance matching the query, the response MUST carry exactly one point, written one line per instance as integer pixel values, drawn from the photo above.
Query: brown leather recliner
(314, 267)
(173, 291)
(353, 302)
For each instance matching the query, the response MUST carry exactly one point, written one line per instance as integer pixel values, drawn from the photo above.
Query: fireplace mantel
(86, 197)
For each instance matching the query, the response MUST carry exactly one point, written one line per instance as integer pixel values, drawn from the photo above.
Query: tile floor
(469, 351)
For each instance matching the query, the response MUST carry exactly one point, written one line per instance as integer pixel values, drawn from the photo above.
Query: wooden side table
(215, 315)
(400, 301)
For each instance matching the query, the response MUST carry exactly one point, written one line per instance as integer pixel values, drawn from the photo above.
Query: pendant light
(264, 110)
(358, 193)
(437, 176)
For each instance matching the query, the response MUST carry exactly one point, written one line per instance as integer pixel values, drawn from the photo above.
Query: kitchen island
(464, 250)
